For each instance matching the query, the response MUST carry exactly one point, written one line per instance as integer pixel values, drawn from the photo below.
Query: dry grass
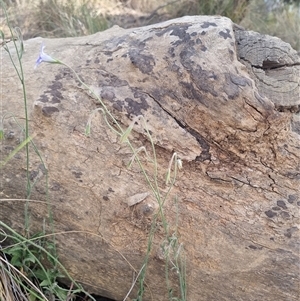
(233, 9)
(62, 18)
(56, 18)
(12, 283)
(282, 22)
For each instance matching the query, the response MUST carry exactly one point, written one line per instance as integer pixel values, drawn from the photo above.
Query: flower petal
(43, 57)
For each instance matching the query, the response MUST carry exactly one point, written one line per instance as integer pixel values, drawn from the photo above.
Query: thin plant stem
(21, 76)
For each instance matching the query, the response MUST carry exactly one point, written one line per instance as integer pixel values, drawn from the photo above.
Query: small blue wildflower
(43, 57)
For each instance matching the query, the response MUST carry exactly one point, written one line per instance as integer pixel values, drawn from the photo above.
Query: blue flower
(43, 57)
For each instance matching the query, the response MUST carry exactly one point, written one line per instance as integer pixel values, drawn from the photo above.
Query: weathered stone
(193, 79)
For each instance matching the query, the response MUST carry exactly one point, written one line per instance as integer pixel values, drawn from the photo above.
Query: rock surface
(202, 87)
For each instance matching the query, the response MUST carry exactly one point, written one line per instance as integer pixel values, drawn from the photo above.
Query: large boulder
(224, 99)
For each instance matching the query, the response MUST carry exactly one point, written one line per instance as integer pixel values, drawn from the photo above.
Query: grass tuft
(31, 270)
(233, 9)
(57, 18)
(281, 20)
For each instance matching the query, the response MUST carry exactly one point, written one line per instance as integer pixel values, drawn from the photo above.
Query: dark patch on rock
(8, 148)
(143, 80)
(159, 95)
(293, 175)
(107, 94)
(43, 98)
(270, 213)
(186, 57)
(118, 105)
(203, 33)
(226, 34)
(77, 174)
(134, 107)
(239, 80)
(143, 62)
(55, 91)
(187, 44)
(205, 155)
(289, 232)
(174, 68)
(105, 198)
(176, 30)
(284, 215)
(204, 80)
(96, 61)
(276, 208)
(109, 60)
(117, 82)
(60, 76)
(203, 48)
(281, 204)
(139, 44)
(231, 53)
(181, 33)
(230, 88)
(253, 247)
(208, 24)
(112, 81)
(33, 175)
(298, 203)
(148, 39)
(108, 53)
(56, 96)
(171, 51)
(115, 43)
(189, 91)
(55, 186)
(56, 85)
(292, 198)
(201, 140)
(48, 111)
